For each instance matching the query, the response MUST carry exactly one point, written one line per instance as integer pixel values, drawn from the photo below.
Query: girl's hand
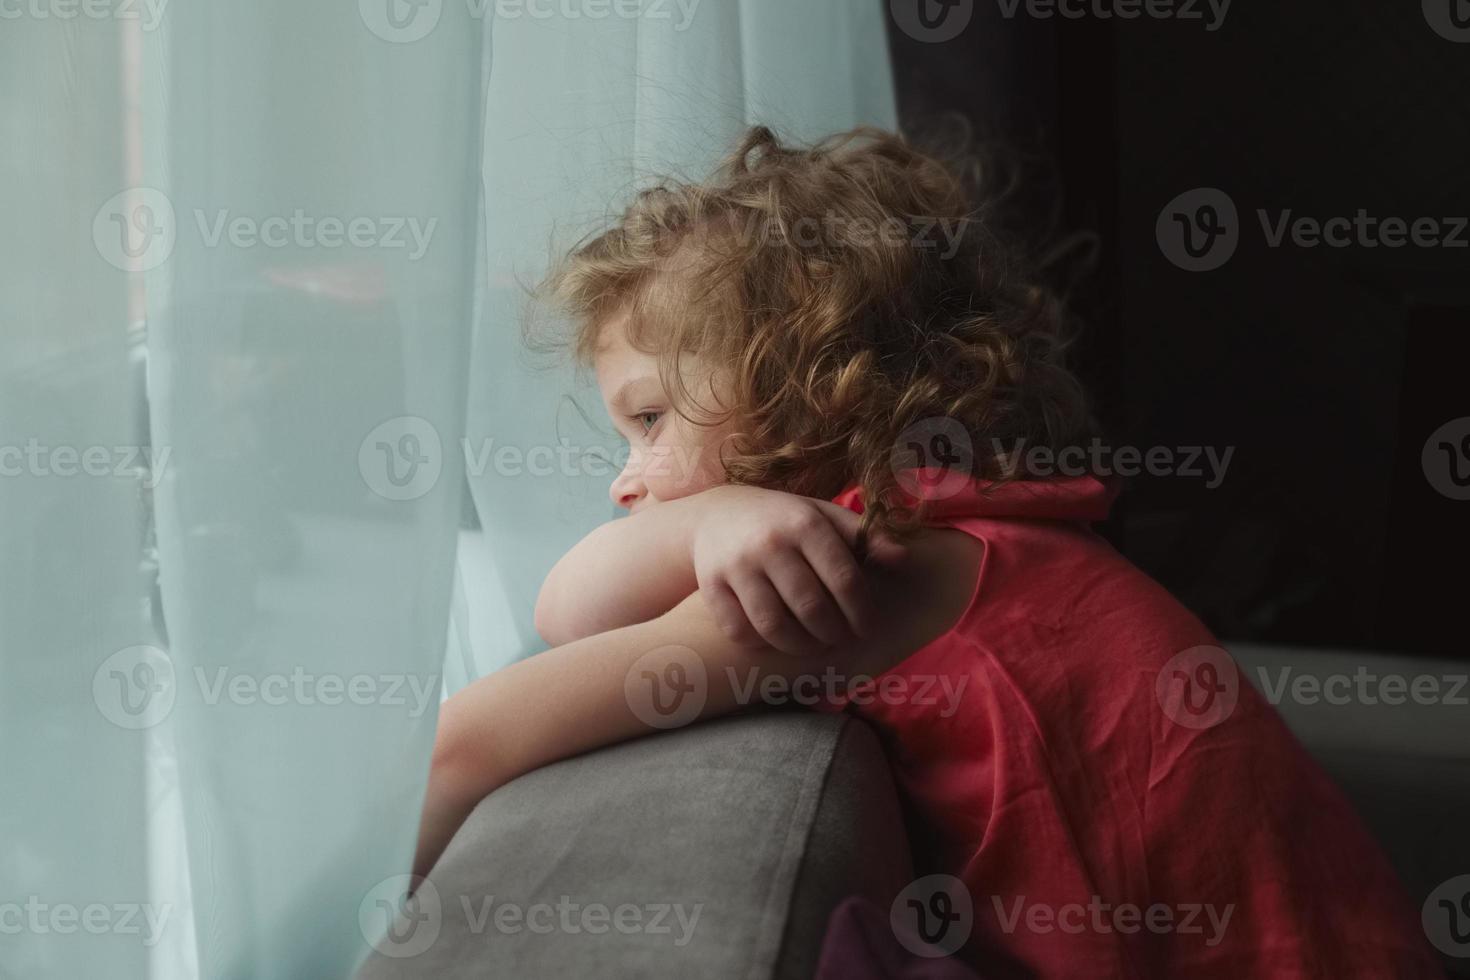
(778, 569)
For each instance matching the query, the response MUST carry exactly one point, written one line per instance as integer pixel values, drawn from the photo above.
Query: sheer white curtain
(259, 288)
(582, 112)
(73, 799)
(239, 274)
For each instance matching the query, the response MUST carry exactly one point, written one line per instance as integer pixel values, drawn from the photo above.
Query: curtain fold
(307, 355)
(73, 790)
(250, 253)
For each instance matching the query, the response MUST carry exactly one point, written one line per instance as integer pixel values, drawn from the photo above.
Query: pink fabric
(1065, 791)
(859, 945)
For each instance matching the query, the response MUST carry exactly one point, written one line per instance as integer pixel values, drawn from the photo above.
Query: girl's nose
(627, 489)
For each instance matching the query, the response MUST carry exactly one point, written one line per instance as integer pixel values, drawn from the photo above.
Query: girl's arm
(777, 569)
(600, 689)
(627, 571)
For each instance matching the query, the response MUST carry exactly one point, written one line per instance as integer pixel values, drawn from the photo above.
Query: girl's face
(669, 456)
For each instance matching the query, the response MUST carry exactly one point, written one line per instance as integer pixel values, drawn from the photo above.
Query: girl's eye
(648, 420)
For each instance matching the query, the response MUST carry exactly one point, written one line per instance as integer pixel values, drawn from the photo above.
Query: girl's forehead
(615, 351)
(623, 371)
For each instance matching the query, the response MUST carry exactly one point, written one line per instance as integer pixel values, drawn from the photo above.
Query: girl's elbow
(546, 622)
(460, 772)
(558, 627)
(551, 621)
(559, 623)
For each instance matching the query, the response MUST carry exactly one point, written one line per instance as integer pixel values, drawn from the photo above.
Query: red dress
(1104, 821)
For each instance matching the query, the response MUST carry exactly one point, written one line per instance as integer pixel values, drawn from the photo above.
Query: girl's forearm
(602, 689)
(446, 806)
(613, 686)
(627, 571)
(570, 700)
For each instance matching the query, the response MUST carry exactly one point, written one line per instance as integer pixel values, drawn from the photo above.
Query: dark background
(1326, 368)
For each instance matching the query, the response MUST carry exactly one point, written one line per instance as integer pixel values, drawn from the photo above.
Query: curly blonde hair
(853, 289)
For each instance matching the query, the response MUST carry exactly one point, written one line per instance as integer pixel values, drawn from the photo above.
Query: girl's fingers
(728, 614)
(885, 550)
(880, 548)
(806, 598)
(767, 613)
(833, 562)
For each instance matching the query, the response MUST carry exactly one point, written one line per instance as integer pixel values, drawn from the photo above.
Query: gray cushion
(751, 823)
(1404, 766)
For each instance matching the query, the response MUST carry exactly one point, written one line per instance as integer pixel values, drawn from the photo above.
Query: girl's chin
(681, 491)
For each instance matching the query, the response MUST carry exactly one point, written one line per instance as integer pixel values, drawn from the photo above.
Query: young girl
(826, 367)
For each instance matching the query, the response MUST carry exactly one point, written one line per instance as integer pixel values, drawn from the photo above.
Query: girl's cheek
(678, 471)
